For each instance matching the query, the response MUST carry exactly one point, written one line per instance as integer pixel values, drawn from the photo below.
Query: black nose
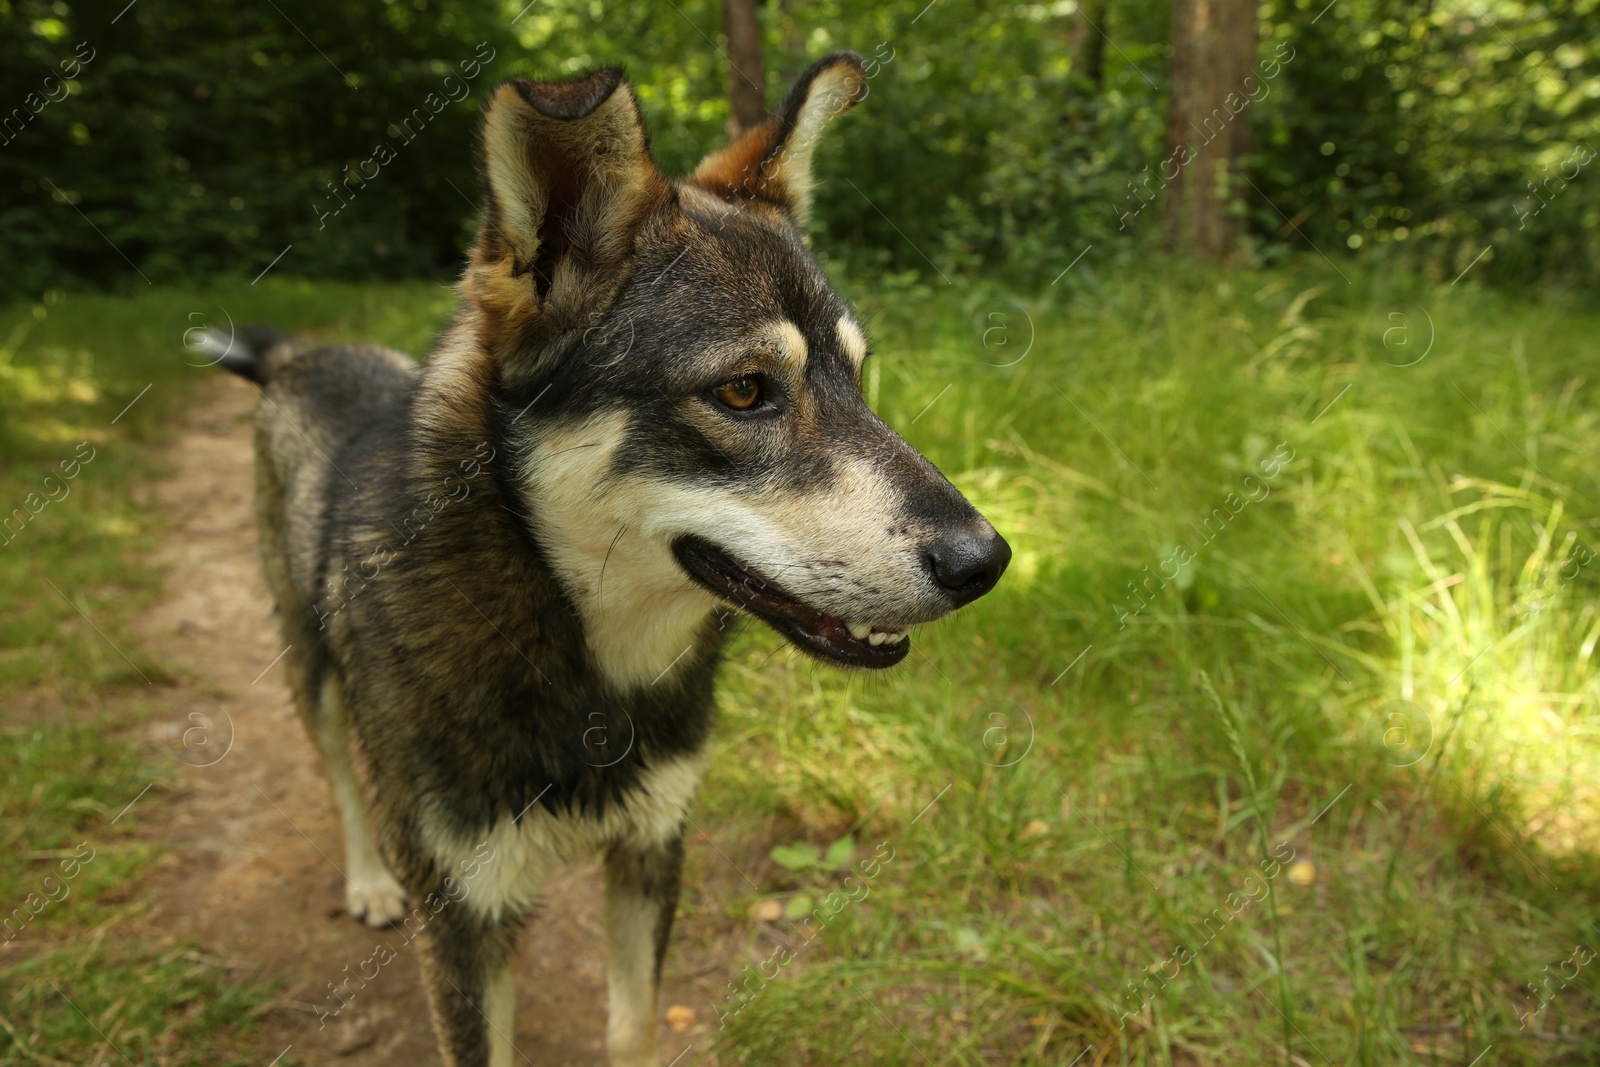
(967, 565)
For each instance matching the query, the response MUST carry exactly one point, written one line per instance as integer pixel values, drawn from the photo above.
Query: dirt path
(250, 870)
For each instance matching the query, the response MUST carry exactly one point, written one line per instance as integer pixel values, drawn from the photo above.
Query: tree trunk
(746, 78)
(1208, 123)
(1088, 36)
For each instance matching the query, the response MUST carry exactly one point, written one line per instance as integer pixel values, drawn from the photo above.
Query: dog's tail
(243, 350)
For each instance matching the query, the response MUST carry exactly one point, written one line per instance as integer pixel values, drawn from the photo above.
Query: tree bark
(1208, 124)
(1088, 34)
(746, 76)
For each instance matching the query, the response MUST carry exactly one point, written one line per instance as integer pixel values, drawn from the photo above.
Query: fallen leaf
(680, 1018)
(1035, 828)
(1302, 872)
(766, 911)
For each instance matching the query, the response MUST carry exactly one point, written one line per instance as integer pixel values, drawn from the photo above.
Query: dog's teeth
(860, 630)
(878, 638)
(894, 638)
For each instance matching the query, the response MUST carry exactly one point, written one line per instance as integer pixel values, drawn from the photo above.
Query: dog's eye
(741, 394)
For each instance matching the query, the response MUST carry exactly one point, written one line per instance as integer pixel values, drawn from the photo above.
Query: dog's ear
(570, 180)
(772, 161)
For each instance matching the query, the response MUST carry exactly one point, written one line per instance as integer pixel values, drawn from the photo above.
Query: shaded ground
(252, 848)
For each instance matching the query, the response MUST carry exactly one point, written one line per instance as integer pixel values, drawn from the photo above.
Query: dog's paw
(377, 900)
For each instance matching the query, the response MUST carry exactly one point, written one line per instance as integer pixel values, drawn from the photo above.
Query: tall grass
(1400, 634)
(1293, 671)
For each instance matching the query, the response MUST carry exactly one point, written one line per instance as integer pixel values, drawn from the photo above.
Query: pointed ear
(772, 161)
(570, 178)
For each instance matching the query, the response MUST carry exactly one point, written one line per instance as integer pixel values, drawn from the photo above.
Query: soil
(250, 869)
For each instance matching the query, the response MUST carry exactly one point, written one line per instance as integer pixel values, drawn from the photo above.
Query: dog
(504, 575)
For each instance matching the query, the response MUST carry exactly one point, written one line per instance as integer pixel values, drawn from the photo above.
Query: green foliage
(805, 857)
(1431, 131)
(205, 138)
(979, 145)
(210, 138)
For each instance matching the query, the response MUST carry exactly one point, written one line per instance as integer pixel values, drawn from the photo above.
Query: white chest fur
(509, 863)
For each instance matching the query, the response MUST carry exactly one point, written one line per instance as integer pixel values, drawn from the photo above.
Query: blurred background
(1264, 331)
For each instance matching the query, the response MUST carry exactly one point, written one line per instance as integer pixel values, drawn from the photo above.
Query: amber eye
(741, 394)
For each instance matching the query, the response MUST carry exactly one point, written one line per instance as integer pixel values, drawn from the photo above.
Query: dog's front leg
(467, 971)
(641, 898)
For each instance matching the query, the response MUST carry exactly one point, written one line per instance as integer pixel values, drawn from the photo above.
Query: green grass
(1381, 589)
(63, 819)
(69, 366)
(75, 687)
(1384, 661)
(175, 1007)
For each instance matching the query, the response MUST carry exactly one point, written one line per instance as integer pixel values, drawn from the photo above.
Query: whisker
(574, 448)
(600, 587)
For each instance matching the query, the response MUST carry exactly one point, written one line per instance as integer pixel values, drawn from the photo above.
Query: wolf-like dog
(503, 576)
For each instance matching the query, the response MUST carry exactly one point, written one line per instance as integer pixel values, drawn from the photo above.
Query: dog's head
(685, 387)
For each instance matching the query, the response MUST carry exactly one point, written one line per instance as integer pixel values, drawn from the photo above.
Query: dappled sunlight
(1403, 658)
(1404, 661)
(40, 387)
(1494, 626)
(1263, 334)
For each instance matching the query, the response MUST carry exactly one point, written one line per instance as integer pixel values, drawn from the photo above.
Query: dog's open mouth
(825, 636)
